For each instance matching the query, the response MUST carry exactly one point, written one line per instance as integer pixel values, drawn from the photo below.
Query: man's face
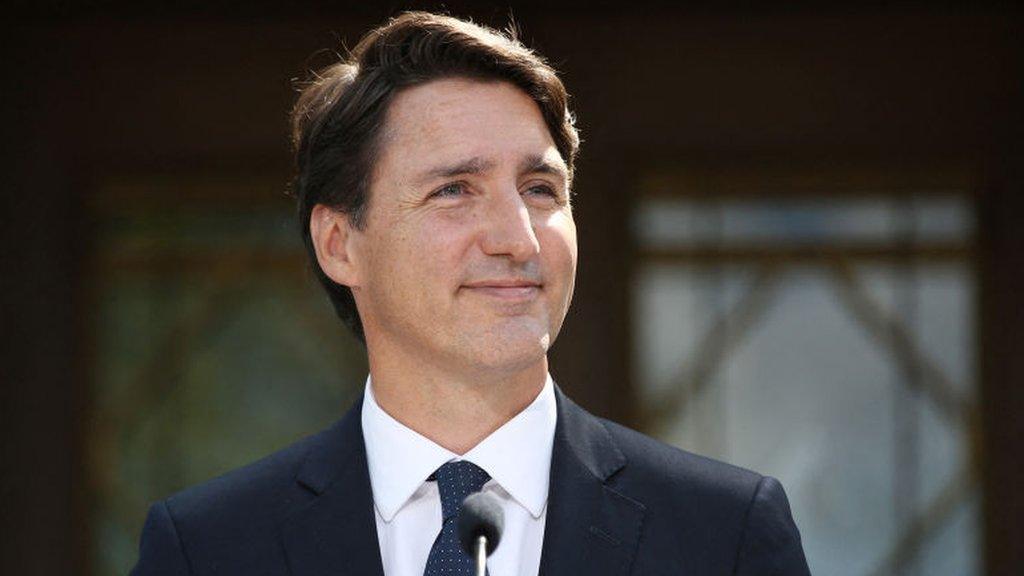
(468, 255)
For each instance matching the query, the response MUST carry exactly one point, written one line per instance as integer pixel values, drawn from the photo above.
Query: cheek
(432, 252)
(557, 236)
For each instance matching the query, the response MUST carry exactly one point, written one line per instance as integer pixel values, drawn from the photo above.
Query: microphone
(479, 527)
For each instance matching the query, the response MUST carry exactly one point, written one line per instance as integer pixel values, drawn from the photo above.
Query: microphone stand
(481, 555)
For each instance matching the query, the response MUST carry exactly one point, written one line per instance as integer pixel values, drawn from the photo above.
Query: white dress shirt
(408, 508)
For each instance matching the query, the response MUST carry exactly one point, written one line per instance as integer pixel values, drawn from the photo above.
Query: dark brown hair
(342, 108)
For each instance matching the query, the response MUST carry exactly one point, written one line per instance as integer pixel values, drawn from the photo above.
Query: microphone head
(481, 515)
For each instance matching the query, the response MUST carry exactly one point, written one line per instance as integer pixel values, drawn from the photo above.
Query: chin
(510, 354)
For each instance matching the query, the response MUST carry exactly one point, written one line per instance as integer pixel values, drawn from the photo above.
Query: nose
(508, 228)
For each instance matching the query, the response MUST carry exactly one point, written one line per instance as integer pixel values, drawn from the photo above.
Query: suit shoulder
(230, 524)
(263, 489)
(655, 463)
(702, 514)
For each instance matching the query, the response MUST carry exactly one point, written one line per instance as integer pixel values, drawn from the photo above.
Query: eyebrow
(475, 165)
(532, 164)
(537, 164)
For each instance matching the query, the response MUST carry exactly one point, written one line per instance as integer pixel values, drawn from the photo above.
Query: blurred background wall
(800, 237)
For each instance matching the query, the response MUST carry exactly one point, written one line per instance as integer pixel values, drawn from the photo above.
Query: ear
(332, 235)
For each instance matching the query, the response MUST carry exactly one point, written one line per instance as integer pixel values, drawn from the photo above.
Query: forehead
(456, 118)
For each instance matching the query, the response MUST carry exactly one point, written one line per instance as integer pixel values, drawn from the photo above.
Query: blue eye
(542, 189)
(450, 190)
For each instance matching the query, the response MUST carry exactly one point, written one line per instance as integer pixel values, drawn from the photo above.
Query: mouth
(512, 289)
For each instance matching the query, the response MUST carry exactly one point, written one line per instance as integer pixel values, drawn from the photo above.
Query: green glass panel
(203, 363)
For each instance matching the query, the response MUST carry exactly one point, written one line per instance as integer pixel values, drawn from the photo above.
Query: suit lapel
(336, 533)
(590, 528)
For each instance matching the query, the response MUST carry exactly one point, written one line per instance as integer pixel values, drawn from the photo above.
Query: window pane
(850, 380)
(214, 348)
(666, 222)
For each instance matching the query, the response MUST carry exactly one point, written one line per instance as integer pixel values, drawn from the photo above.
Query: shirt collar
(517, 456)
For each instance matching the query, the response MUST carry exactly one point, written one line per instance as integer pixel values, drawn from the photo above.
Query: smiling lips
(507, 289)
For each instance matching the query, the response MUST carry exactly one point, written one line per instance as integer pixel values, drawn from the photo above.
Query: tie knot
(455, 481)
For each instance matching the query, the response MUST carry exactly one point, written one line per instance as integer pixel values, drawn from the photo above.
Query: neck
(456, 410)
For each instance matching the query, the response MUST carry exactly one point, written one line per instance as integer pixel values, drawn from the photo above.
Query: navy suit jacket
(620, 503)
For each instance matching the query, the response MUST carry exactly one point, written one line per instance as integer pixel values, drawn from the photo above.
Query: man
(434, 177)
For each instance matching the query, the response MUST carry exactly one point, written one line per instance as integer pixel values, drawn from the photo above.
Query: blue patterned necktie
(455, 481)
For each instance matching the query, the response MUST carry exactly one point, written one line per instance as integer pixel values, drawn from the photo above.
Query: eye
(452, 190)
(542, 190)
(546, 194)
